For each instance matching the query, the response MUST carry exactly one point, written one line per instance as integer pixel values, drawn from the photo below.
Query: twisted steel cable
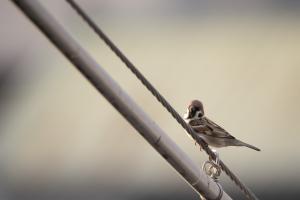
(159, 97)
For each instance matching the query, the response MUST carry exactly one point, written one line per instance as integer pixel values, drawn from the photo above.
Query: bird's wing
(214, 130)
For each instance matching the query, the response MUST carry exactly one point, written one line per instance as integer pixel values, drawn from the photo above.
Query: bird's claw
(200, 147)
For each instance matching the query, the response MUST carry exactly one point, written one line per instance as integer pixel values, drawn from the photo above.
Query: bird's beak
(187, 114)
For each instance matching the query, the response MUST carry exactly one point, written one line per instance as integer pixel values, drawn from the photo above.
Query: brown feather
(208, 127)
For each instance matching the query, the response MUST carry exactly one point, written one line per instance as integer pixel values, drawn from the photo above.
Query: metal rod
(166, 147)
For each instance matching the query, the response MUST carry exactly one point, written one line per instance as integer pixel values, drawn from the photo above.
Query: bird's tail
(240, 143)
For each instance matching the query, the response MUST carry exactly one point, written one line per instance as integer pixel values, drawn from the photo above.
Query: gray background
(60, 139)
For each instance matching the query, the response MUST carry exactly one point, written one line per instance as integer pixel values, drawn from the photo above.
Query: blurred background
(60, 139)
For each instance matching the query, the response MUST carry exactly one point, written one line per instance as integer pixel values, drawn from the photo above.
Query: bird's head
(194, 111)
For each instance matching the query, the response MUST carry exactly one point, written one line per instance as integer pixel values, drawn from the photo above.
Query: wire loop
(212, 169)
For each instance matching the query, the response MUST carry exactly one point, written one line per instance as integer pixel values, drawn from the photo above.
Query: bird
(210, 132)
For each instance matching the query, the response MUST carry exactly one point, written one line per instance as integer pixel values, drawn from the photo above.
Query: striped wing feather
(208, 127)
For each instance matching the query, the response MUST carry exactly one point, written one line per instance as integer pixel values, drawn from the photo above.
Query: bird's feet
(200, 147)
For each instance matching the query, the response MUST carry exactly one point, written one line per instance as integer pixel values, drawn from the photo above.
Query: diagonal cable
(160, 98)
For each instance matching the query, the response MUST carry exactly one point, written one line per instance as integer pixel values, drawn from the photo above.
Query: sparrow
(210, 132)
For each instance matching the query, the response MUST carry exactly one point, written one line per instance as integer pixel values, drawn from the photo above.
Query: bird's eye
(192, 112)
(192, 109)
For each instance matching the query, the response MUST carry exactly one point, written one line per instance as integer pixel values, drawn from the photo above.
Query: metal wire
(159, 97)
